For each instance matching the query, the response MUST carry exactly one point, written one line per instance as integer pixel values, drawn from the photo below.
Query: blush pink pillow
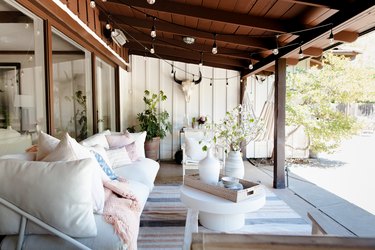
(118, 141)
(132, 151)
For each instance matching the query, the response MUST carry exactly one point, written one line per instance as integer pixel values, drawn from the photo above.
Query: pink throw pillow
(132, 151)
(118, 141)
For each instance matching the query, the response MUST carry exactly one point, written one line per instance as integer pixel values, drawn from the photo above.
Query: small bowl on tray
(231, 182)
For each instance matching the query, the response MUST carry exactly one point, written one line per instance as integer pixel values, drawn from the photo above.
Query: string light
(104, 1)
(153, 30)
(152, 50)
(300, 53)
(251, 66)
(151, 1)
(108, 25)
(92, 4)
(276, 51)
(214, 47)
(331, 38)
(172, 71)
(211, 81)
(227, 82)
(201, 61)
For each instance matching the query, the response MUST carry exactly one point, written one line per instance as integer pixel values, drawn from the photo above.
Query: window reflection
(22, 83)
(72, 88)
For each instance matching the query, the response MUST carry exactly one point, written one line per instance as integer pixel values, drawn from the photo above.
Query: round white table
(219, 214)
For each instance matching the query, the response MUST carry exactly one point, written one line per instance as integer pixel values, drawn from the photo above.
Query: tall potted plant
(154, 122)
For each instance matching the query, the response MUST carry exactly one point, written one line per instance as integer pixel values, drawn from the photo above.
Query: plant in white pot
(237, 129)
(154, 122)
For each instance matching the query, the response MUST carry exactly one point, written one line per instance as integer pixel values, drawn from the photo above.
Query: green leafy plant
(155, 123)
(238, 127)
(80, 115)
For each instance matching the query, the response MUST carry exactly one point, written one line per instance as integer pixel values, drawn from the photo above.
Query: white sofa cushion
(69, 149)
(118, 157)
(46, 144)
(97, 139)
(27, 156)
(37, 188)
(143, 170)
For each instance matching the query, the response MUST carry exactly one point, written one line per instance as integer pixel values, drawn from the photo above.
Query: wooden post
(243, 86)
(279, 135)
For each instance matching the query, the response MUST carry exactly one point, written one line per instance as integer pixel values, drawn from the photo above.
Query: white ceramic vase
(234, 166)
(209, 169)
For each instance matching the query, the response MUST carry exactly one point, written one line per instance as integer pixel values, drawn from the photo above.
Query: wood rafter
(337, 19)
(215, 15)
(194, 58)
(329, 4)
(260, 43)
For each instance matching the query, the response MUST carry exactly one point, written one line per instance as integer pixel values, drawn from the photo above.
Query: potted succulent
(154, 122)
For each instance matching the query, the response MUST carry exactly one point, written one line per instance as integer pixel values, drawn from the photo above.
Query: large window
(105, 89)
(72, 90)
(22, 82)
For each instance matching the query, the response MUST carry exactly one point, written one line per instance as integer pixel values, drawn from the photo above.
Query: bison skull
(187, 85)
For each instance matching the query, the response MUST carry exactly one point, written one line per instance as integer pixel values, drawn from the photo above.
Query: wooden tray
(249, 188)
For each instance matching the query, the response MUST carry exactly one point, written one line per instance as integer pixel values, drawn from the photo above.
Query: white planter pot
(209, 169)
(234, 166)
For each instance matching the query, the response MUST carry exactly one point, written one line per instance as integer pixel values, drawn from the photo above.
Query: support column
(279, 135)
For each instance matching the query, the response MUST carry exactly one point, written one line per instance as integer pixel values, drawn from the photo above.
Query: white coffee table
(219, 214)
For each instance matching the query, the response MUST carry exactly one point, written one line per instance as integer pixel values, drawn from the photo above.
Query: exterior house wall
(154, 75)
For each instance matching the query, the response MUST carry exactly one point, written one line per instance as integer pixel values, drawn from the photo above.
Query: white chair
(192, 153)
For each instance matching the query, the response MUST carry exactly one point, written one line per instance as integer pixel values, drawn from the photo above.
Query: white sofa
(140, 174)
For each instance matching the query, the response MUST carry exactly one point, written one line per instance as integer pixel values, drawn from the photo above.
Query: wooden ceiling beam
(194, 58)
(337, 19)
(346, 36)
(124, 22)
(215, 15)
(193, 48)
(329, 4)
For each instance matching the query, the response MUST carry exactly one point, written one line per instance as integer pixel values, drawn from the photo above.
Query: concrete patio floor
(337, 215)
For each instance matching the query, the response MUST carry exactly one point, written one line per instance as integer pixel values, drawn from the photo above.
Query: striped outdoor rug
(163, 219)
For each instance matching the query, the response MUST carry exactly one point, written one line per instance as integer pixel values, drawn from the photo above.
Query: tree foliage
(313, 94)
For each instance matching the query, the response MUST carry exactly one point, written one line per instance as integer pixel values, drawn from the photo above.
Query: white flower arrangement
(238, 128)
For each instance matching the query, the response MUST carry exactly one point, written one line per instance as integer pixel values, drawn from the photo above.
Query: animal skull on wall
(187, 85)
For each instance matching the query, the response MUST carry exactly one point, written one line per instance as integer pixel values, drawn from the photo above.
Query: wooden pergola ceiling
(244, 28)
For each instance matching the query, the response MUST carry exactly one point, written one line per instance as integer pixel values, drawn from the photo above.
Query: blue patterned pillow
(104, 166)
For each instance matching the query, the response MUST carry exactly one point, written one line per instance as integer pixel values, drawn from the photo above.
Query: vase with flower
(201, 121)
(237, 129)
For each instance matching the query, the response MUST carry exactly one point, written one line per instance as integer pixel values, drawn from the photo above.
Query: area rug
(163, 219)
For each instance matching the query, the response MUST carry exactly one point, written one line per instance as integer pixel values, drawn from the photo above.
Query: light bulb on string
(152, 50)
(150, 1)
(331, 38)
(251, 66)
(108, 25)
(153, 30)
(227, 82)
(172, 71)
(104, 1)
(211, 81)
(214, 47)
(92, 4)
(276, 51)
(201, 61)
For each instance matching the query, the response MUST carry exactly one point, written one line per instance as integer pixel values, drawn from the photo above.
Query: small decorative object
(229, 181)
(201, 120)
(209, 169)
(193, 122)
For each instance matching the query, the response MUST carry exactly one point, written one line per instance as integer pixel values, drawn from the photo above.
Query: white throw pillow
(46, 144)
(97, 139)
(139, 139)
(118, 157)
(58, 193)
(69, 150)
(193, 149)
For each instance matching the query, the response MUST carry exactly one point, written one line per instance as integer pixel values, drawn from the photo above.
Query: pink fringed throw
(122, 210)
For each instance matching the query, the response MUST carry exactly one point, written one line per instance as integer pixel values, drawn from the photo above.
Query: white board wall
(155, 74)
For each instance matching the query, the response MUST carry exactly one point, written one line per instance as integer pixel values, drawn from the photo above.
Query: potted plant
(154, 122)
